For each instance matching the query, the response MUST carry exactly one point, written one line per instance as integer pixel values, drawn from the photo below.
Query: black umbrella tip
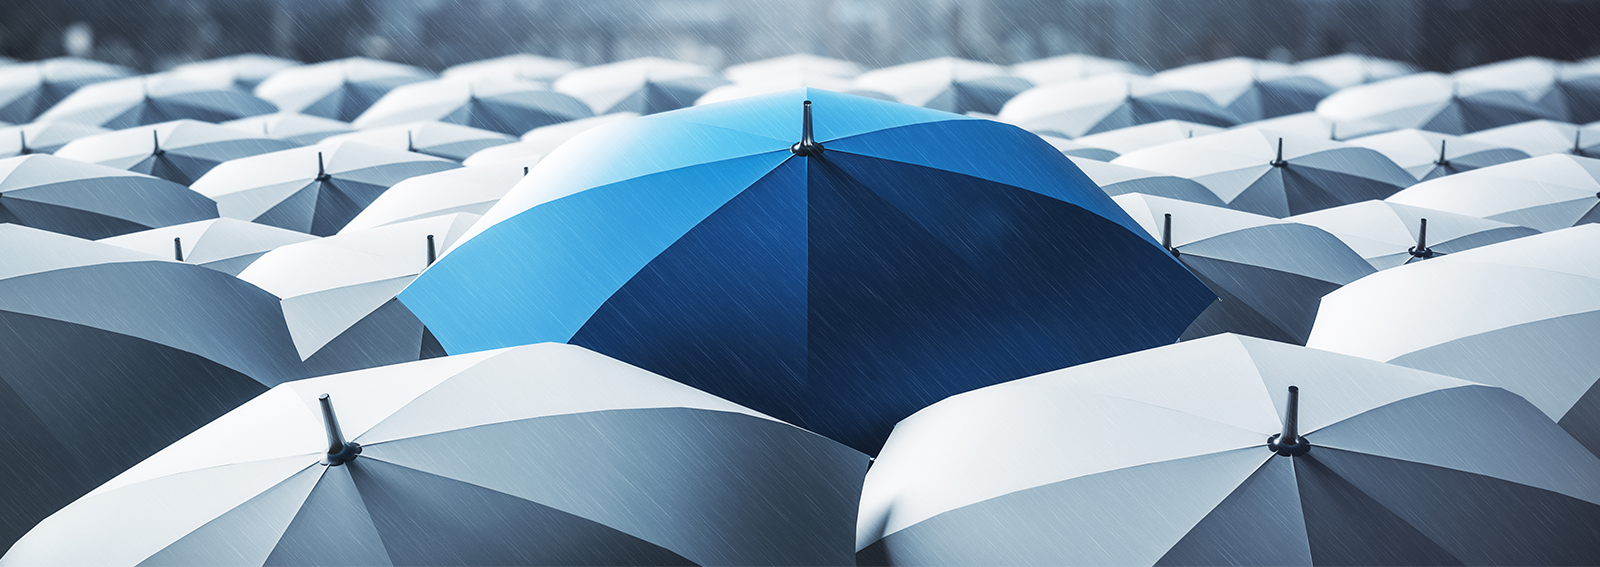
(806, 147)
(1421, 250)
(177, 248)
(322, 172)
(339, 451)
(1292, 445)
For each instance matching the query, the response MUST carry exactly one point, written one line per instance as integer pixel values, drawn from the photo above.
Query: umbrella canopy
(179, 151)
(784, 278)
(1430, 101)
(1390, 234)
(1543, 137)
(1135, 138)
(42, 137)
(536, 143)
(521, 67)
(1350, 69)
(1389, 466)
(1119, 179)
(315, 189)
(1252, 89)
(224, 245)
(111, 355)
(92, 201)
(1545, 193)
(338, 292)
(1526, 322)
(151, 99)
(1548, 83)
(290, 127)
(1313, 124)
(1427, 155)
(771, 85)
(1276, 174)
(1073, 67)
(646, 86)
(1109, 102)
(500, 105)
(798, 65)
(946, 83)
(466, 190)
(1268, 274)
(339, 89)
(28, 89)
(439, 139)
(245, 71)
(1071, 148)
(538, 455)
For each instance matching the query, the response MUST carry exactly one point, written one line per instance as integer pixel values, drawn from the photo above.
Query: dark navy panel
(426, 519)
(723, 309)
(1348, 527)
(1259, 524)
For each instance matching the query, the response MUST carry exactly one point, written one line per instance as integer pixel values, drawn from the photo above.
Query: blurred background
(153, 35)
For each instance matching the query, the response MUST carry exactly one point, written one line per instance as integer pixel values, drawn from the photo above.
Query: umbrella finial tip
(806, 147)
(339, 450)
(1289, 443)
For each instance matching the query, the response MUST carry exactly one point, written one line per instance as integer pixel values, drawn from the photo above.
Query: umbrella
(1351, 69)
(92, 201)
(1427, 155)
(470, 189)
(179, 151)
(1521, 314)
(1073, 67)
(1119, 179)
(646, 86)
(42, 137)
(1134, 138)
(1276, 174)
(923, 254)
(1430, 101)
(1252, 89)
(290, 127)
(1545, 82)
(112, 354)
(315, 189)
(1109, 102)
(1545, 193)
(224, 245)
(1542, 137)
(1578, 85)
(771, 85)
(339, 89)
(1268, 274)
(338, 292)
(1071, 148)
(540, 141)
(1313, 124)
(438, 139)
(522, 67)
(1390, 234)
(501, 105)
(28, 89)
(1178, 456)
(137, 101)
(538, 455)
(946, 83)
(802, 65)
(245, 71)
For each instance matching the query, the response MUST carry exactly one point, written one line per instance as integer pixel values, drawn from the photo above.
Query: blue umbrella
(840, 283)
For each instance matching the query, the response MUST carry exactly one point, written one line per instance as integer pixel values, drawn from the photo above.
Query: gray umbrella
(1231, 451)
(179, 151)
(42, 137)
(1073, 67)
(1521, 314)
(28, 89)
(522, 67)
(1071, 148)
(1252, 89)
(500, 105)
(1391, 234)
(1135, 138)
(1269, 275)
(339, 89)
(92, 201)
(1319, 126)
(224, 245)
(1546, 193)
(946, 83)
(1119, 179)
(1427, 155)
(1276, 174)
(1430, 101)
(647, 85)
(315, 189)
(546, 454)
(438, 139)
(1109, 102)
(291, 127)
(1351, 69)
(1543, 137)
(152, 99)
(538, 142)
(112, 354)
(245, 71)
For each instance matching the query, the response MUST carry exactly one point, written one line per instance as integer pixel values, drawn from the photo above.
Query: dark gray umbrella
(92, 201)
(500, 105)
(28, 89)
(179, 151)
(339, 89)
(110, 355)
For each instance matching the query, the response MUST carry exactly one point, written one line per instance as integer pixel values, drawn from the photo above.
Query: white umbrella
(1134, 138)
(771, 85)
(1431, 101)
(546, 454)
(92, 201)
(151, 99)
(1546, 193)
(1073, 67)
(797, 65)
(339, 89)
(1071, 148)
(470, 189)
(42, 137)
(1350, 69)
(245, 71)
(291, 127)
(28, 89)
(646, 86)
(224, 245)
(1520, 314)
(522, 66)
(1426, 155)
(1252, 89)
(1568, 91)
(946, 83)
(179, 151)
(438, 139)
(506, 106)
(1109, 102)
(1390, 234)
(1542, 137)
(540, 141)
(1179, 456)
(1119, 179)
(1313, 124)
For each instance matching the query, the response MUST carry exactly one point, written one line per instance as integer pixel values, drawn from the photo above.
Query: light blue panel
(834, 115)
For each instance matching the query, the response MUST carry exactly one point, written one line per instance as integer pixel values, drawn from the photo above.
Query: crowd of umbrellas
(798, 312)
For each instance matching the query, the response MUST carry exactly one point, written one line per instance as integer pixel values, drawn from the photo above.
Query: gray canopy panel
(341, 89)
(946, 83)
(92, 201)
(1109, 102)
(646, 85)
(29, 89)
(179, 151)
(1430, 101)
(1252, 89)
(499, 105)
(152, 99)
